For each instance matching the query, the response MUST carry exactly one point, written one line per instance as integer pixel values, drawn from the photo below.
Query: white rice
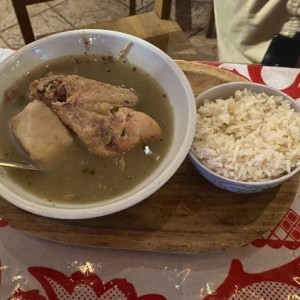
(248, 137)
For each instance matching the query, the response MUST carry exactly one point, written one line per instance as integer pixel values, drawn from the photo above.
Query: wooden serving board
(187, 215)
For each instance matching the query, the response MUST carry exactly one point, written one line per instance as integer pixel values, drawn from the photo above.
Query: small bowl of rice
(247, 137)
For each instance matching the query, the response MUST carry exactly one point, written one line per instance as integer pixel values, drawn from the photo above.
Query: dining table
(190, 240)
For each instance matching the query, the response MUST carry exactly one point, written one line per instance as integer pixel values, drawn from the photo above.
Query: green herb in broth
(79, 176)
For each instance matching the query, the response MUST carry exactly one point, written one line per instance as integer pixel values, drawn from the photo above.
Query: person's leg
(245, 28)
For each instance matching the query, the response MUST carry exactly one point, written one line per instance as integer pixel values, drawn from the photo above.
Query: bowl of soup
(107, 117)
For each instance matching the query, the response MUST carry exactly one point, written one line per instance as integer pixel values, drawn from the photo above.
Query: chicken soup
(96, 125)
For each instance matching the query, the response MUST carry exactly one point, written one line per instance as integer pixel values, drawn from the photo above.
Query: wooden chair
(20, 8)
(155, 27)
(211, 22)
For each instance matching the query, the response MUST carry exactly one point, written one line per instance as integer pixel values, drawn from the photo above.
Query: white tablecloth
(267, 268)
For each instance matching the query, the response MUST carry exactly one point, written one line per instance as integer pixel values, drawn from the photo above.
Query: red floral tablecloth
(267, 268)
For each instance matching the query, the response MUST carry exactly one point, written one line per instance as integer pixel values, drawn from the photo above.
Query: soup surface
(79, 176)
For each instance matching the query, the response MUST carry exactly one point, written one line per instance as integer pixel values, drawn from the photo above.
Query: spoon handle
(19, 165)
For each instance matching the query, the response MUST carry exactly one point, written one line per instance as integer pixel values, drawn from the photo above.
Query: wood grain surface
(187, 215)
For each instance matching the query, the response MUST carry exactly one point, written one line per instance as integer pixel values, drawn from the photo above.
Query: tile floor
(58, 15)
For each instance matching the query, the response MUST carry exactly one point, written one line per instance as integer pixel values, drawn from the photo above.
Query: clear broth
(79, 176)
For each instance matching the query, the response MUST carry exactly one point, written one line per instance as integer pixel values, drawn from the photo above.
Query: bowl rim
(272, 182)
(97, 209)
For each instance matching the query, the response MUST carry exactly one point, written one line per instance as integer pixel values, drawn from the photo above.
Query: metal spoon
(19, 165)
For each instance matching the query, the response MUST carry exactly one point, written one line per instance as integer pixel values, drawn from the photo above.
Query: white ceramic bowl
(224, 91)
(142, 54)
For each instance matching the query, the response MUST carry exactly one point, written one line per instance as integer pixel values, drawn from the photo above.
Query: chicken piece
(105, 128)
(40, 132)
(60, 87)
(137, 127)
(108, 124)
